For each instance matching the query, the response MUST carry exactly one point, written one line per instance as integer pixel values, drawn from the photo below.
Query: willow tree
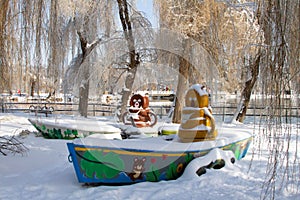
(279, 21)
(178, 16)
(94, 24)
(54, 58)
(134, 30)
(3, 67)
(134, 61)
(39, 7)
(24, 41)
(225, 30)
(84, 85)
(86, 22)
(27, 35)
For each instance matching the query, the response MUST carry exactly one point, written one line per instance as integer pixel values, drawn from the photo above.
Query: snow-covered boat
(117, 162)
(74, 128)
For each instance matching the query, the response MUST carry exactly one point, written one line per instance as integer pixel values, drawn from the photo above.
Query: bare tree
(3, 66)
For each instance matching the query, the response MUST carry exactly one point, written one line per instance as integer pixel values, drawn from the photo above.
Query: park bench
(44, 109)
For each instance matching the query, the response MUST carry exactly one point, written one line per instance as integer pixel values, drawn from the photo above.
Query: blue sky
(146, 6)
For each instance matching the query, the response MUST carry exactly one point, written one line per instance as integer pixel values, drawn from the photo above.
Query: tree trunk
(3, 12)
(84, 93)
(53, 64)
(38, 41)
(183, 83)
(133, 56)
(84, 85)
(32, 86)
(246, 93)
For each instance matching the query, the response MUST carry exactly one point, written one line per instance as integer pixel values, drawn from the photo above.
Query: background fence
(222, 111)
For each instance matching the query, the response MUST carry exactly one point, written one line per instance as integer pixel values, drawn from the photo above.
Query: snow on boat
(168, 129)
(118, 162)
(71, 128)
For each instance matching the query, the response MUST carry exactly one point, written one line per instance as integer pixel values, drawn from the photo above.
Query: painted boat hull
(74, 129)
(131, 161)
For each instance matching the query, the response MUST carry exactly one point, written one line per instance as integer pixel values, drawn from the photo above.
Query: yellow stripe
(125, 152)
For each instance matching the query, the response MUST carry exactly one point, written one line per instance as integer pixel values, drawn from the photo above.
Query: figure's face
(193, 99)
(136, 101)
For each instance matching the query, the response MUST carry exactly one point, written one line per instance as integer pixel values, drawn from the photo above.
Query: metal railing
(102, 109)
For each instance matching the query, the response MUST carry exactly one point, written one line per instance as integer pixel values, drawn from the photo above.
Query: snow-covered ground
(44, 172)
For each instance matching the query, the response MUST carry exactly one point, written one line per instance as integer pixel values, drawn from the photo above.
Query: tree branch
(11, 145)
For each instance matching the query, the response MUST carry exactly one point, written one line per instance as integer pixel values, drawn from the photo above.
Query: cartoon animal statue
(139, 109)
(197, 123)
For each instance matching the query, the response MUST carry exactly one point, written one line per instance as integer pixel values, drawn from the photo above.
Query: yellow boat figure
(197, 123)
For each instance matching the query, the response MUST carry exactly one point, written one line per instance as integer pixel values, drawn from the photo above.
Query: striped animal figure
(197, 123)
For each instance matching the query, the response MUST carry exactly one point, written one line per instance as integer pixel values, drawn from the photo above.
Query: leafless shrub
(11, 144)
